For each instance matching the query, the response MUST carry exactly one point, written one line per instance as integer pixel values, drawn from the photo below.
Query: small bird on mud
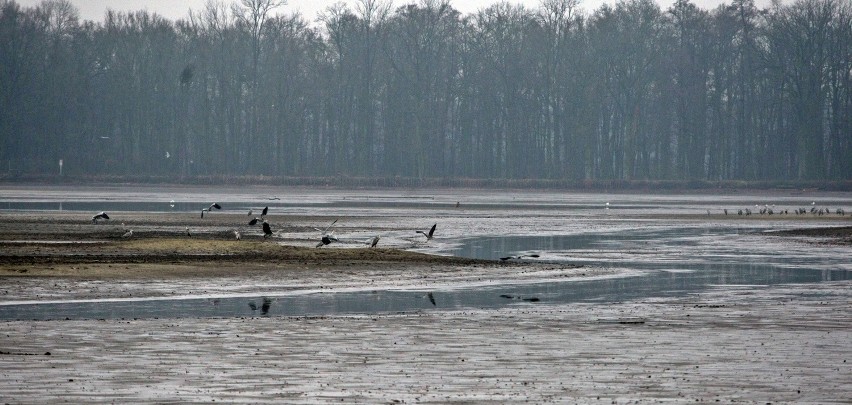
(429, 234)
(237, 234)
(100, 215)
(214, 205)
(188, 233)
(128, 234)
(267, 230)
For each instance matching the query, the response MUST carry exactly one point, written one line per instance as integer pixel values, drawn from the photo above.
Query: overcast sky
(174, 9)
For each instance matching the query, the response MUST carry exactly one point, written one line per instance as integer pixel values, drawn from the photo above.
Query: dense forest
(624, 92)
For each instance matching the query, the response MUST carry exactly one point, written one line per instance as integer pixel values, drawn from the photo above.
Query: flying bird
(326, 240)
(100, 215)
(214, 205)
(430, 233)
(373, 242)
(267, 230)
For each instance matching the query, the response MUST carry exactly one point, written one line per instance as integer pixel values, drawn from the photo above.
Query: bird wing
(215, 205)
(432, 231)
(104, 215)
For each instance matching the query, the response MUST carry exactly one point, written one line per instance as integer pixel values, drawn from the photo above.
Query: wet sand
(788, 343)
(770, 345)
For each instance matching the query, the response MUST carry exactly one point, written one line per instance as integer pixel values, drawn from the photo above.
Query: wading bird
(100, 215)
(214, 205)
(429, 234)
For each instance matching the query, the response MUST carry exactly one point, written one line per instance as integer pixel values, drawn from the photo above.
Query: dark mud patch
(841, 235)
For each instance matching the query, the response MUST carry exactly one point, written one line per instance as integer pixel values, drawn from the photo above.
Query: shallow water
(659, 257)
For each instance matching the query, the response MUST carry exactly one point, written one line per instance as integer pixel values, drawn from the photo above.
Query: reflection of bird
(128, 234)
(430, 233)
(214, 205)
(264, 308)
(267, 230)
(431, 299)
(516, 257)
(100, 215)
(252, 305)
(516, 297)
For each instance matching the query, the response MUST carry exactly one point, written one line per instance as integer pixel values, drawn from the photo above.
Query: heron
(430, 233)
(100, 215)
(267, 230)
(214, 205)
(517, 257)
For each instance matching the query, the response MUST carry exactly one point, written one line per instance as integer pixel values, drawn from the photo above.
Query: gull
(267, 230)
(430, 233)
(214, 205)
(237, 234)
(516, 257)
(100, 215)
(128, 234)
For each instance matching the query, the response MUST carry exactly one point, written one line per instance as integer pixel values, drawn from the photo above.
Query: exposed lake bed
(729, 339)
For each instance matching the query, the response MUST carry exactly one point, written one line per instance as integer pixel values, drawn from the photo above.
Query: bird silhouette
(100, 215)
(430, 233)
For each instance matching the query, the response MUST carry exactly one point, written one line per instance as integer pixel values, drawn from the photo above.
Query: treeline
(625, 92)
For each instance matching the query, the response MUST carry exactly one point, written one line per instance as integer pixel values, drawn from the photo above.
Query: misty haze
(624, 92)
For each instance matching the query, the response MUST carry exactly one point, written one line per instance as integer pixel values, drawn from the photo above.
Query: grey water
(681, 264)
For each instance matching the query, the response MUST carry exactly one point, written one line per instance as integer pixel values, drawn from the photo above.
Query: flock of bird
(327, 238)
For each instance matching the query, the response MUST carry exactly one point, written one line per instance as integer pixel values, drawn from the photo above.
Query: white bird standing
(128, 234)
(100, 215)
(430, 233)
(237, 234)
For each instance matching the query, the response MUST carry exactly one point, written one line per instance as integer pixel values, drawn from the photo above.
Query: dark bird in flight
(326, 240)
(430, 233)
(267, 230)
(214, 205)
(100, 215)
